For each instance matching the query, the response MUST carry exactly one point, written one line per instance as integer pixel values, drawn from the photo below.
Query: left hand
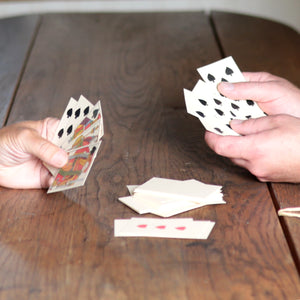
(24, 147)
(268, 148)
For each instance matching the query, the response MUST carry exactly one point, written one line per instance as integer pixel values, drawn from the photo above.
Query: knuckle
(221, 148)
(266, 76)
(278, 120)
(259, 171)
(24, 133)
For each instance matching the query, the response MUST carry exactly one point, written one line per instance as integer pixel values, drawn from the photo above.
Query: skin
(269, 146)
(24, 148)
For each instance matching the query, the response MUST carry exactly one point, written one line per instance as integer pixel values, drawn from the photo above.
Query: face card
(75, 172)
(91, 125)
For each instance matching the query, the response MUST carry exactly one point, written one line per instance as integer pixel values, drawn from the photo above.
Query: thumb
(45, 150)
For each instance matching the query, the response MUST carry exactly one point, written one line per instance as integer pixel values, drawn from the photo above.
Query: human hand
(268, 148)
(24, 147)
(273, 94)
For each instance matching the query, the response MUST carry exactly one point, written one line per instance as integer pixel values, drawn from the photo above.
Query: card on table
(214, 110)
(168, 197)
(184, 228)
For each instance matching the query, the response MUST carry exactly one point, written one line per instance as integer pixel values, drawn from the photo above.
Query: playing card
(215, 115)
(131, 189)
(214, 110)
(75, 172)
(176, 189)
(163, 228)
(91, 123)
(227, 70)
(141, 206)
(222, 70)
(62, 129)
(168, 197)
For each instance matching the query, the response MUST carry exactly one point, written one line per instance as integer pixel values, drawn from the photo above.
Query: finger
(50, 125)
(240, 162)
(260, 76)
(229, 146)
(257, 125)
(43, 149)
(46, 127)
(45, 178)
(254, 90)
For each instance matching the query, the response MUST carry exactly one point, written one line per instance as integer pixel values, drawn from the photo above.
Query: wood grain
(259, 45)
(16, 35)
(62, 245)
(262, 45)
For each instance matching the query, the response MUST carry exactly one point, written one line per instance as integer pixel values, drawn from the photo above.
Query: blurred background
(284, 11)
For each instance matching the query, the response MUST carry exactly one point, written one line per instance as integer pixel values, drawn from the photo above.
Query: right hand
(274, 95)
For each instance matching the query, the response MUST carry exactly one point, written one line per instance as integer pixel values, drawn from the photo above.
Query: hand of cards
(79, 133)
(214, 110)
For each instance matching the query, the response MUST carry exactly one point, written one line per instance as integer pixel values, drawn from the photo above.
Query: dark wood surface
(16, 35)
(61, 246)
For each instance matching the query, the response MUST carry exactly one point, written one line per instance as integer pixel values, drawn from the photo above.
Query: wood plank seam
(216, 36)
(285, 230)
(34, 36)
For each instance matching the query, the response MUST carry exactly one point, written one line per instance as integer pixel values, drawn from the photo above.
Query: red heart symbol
(161, 226)
(181, 228)
(142, 226)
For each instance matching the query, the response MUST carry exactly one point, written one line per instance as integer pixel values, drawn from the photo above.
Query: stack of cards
(213, 109)
(79, 133)
(168, 197)
(165, 228)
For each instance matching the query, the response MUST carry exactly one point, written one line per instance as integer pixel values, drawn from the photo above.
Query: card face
(214, 110)
(61, 131)
(79, 133)
(163, 228)
(222, 70)
(215, 115)
(75, 172)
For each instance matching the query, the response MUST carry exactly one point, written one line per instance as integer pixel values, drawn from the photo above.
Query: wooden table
(62, 246)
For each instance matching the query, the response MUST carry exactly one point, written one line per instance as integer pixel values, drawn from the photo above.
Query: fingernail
(236, 122)
(60, 158)
(226, 86)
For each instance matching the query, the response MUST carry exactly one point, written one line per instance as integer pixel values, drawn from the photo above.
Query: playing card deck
(79, 133)
(214, 110)
(184, 228)
(168, 197)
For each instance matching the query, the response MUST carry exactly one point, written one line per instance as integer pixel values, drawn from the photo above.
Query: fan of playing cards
(79, 133)
(214, 110)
